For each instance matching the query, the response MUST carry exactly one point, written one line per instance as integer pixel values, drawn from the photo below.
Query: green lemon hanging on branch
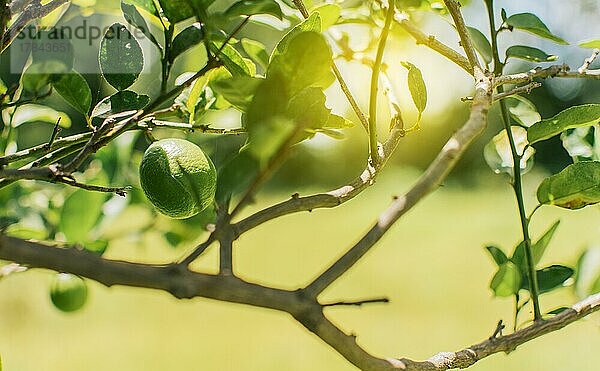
(178, 178)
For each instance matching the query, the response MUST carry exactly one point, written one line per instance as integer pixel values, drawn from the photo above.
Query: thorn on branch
(357, 303)
(498, 331)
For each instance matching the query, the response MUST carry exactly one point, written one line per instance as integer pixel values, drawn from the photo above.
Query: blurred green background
(432, 264)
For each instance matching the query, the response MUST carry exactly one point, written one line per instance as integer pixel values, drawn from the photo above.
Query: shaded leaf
(570, 118)
(550, 278)
(575, 187)
(80, 213)
(531, 23)
(75, 90)
(185, 40)
(539, 248)
(482, 44)
(134, 18)
(121, 58)
(583, 144)
(312, 23)
(497, 254)
(232, 60)
(529, 54)
(587, 281)
(252, 7)
(121, 101)
(239, 91)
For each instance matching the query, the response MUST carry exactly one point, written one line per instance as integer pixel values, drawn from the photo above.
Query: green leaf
(38, 76)
(236, 175)
(194, 96)
(531, 23)
(417, 87)
(570, 118)
(75, 90)
(257, 52)
(306, 62)
(522, 110)
(539, 248)
(252, 7)
(591, 44)
(30, 113)
(232, 60)
(239, 91)
(558, 311)
(121, 58)
(498, 153)
(507, 281)
(134, 18)
(312, 23)
(497, 254)
(80, 213)
(120, 102)
(575, 187)
(147, 5)
(97, 246)
(185, 40)
(330, 13)
(180, 10)
(550, 278)
(482, 44)
(529, 54)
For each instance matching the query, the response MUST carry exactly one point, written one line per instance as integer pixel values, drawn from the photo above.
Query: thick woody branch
(431, 179)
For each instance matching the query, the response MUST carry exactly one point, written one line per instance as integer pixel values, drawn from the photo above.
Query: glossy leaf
(252, 7)
(570, 118)
(575, 187)
(185, 40)
(531, 23)
(121, 58)
(75, 90)
(30, 113)
(507, 281)
(529, 54)
(539, 247)
(179, 10)
(482, 44)
(550, 278)
(147, 5)
(498, 154)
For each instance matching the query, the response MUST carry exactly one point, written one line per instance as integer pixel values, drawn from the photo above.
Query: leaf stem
(517, 181)
(373, 146)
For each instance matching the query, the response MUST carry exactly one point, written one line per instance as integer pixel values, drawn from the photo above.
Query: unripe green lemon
(178, 178)
(68, 292)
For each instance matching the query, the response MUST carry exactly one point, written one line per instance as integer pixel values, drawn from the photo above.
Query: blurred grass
(432, 266)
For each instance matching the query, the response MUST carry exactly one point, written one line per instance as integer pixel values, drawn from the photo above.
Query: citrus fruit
(68, 292)
(178, 178)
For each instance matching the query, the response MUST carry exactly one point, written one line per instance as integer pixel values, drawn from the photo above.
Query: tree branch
(330, 199)
(465, 38)
(431, 179)
(431, 42)
(552, 71)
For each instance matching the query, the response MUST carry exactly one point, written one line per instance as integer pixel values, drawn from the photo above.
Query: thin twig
(357, 303)
(588, 61)
(525, 89)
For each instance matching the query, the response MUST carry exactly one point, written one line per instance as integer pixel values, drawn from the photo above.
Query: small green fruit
(68, 292)
(178, 178)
